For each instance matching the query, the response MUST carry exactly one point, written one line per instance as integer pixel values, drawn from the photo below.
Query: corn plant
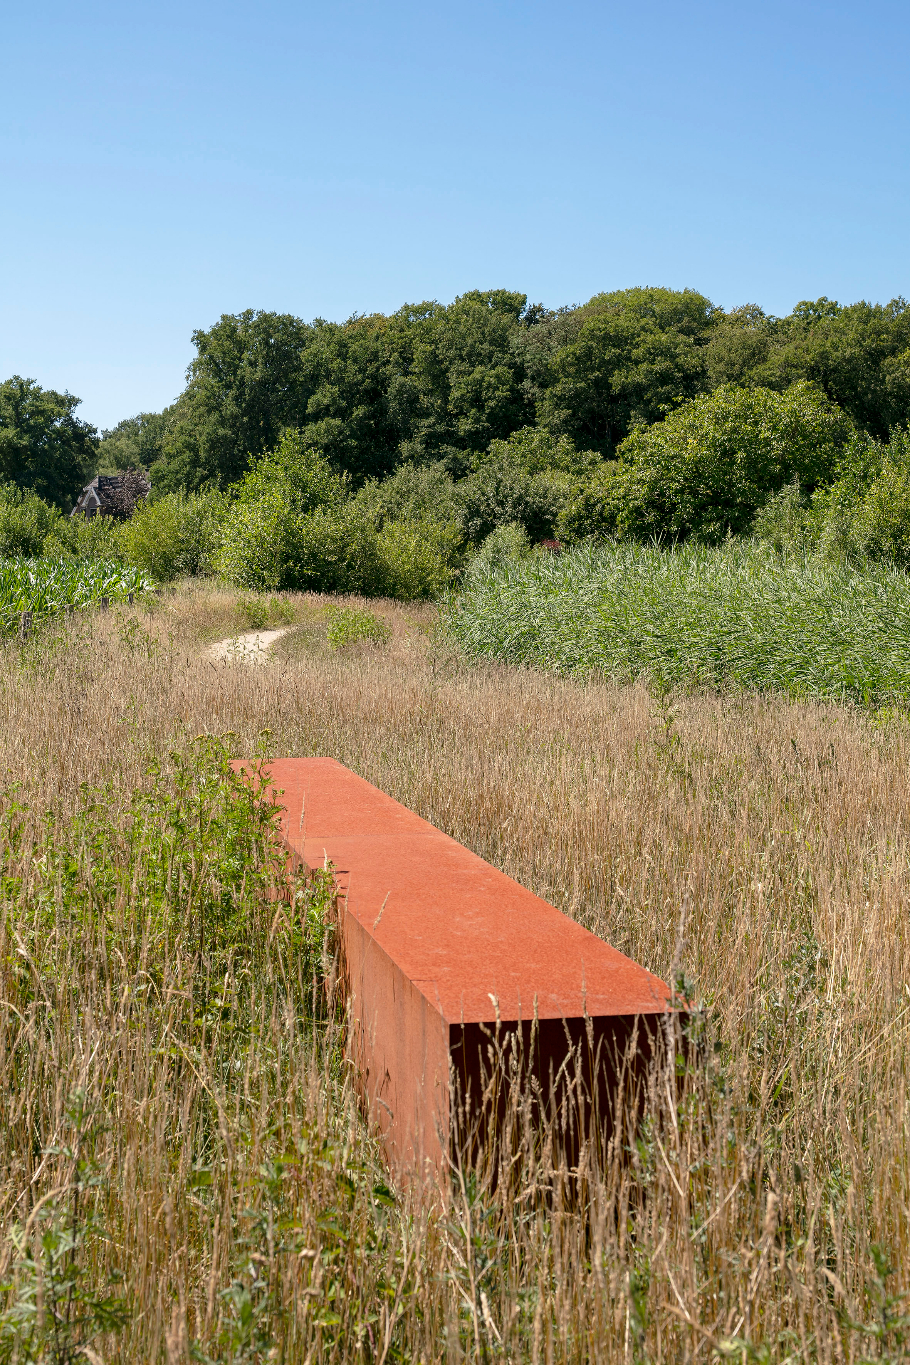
(45, 587)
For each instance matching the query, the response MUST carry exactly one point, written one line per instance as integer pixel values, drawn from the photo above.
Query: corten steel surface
(440, 949)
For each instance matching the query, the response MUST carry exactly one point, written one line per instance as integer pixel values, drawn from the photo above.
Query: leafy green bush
(347, 626)
(258, 612)
(420, 558)
(25, 522)
(708, 467)
(526, 480)
(338, 550)
(273, 529)
(786, 521)
(415, 492)
(505, 545)
(592, 511)
(865, 513)
(881, 525)
(177, 535)
(299, 470)
(86, 538)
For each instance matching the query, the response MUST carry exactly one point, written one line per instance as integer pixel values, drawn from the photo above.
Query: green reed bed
(47, 586)
(739, 613)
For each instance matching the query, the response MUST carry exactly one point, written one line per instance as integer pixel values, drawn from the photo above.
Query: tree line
(378, 454)
(436, 383)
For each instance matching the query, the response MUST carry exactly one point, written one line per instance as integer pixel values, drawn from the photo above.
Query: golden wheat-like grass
(755, 846)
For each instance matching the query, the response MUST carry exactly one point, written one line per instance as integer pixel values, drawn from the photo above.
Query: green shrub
(420, 558)
(534, 450)
(347, 626)
(274, 530)
(786, 520)
(527, 481)
(415, 493)
(507, 544)
(259, 612)
(591, 512)
(25, 522)
(177, 535)
(710, 465)
(301, 472)
(86, 538)
(260, 543)
(498, 493)
(338, 550)
(865, 513)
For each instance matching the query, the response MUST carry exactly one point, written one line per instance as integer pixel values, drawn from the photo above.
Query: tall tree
(244, 387)
(43, 445)
(134, 443)
(859, 355)
(637, 354)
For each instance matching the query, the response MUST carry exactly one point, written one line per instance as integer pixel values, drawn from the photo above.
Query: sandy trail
(251, 646)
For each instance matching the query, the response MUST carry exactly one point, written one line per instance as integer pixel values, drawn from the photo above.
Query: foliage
(243, 389)
(271, 533)
(299, 470)
(507, 544)
(526, 480)
(592, 511)
(695, 615)
(339, 551)
(43, 445)
(291, 525)
(437, 383)
(499, 494)
(863, 514)
(25, 522)
(858, 355)
(414, 492)
(177, 535)
(348, 626)
(639, 353)
(56, 1313)
(785, 521)
(47, 586)
(367, 392)
(707, 468)
(419, 558)
(134, 443)
(85, 538)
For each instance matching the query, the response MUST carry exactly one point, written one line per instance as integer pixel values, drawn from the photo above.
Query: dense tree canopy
(713, 462)
(43, 445)
(858, 355)
(436, 383)
(134, 443)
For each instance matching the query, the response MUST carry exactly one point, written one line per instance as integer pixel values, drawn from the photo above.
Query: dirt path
(250, 646)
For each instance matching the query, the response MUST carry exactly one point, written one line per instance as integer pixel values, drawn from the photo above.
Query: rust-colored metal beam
(441, 950)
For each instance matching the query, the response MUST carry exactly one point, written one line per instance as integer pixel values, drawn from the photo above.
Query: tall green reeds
(738, 614)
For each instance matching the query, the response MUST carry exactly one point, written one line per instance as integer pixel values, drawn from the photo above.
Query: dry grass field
(184, 1174)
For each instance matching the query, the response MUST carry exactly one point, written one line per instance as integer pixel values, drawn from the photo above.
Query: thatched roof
(112, 495)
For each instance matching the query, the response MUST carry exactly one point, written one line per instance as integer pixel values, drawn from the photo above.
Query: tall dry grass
(756, 845)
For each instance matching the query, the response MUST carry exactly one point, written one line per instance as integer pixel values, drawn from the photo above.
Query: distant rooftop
(107, 493)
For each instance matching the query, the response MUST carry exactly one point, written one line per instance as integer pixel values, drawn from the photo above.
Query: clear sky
(163, 163)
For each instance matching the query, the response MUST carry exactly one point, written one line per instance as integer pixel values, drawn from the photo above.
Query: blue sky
(165, 163)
